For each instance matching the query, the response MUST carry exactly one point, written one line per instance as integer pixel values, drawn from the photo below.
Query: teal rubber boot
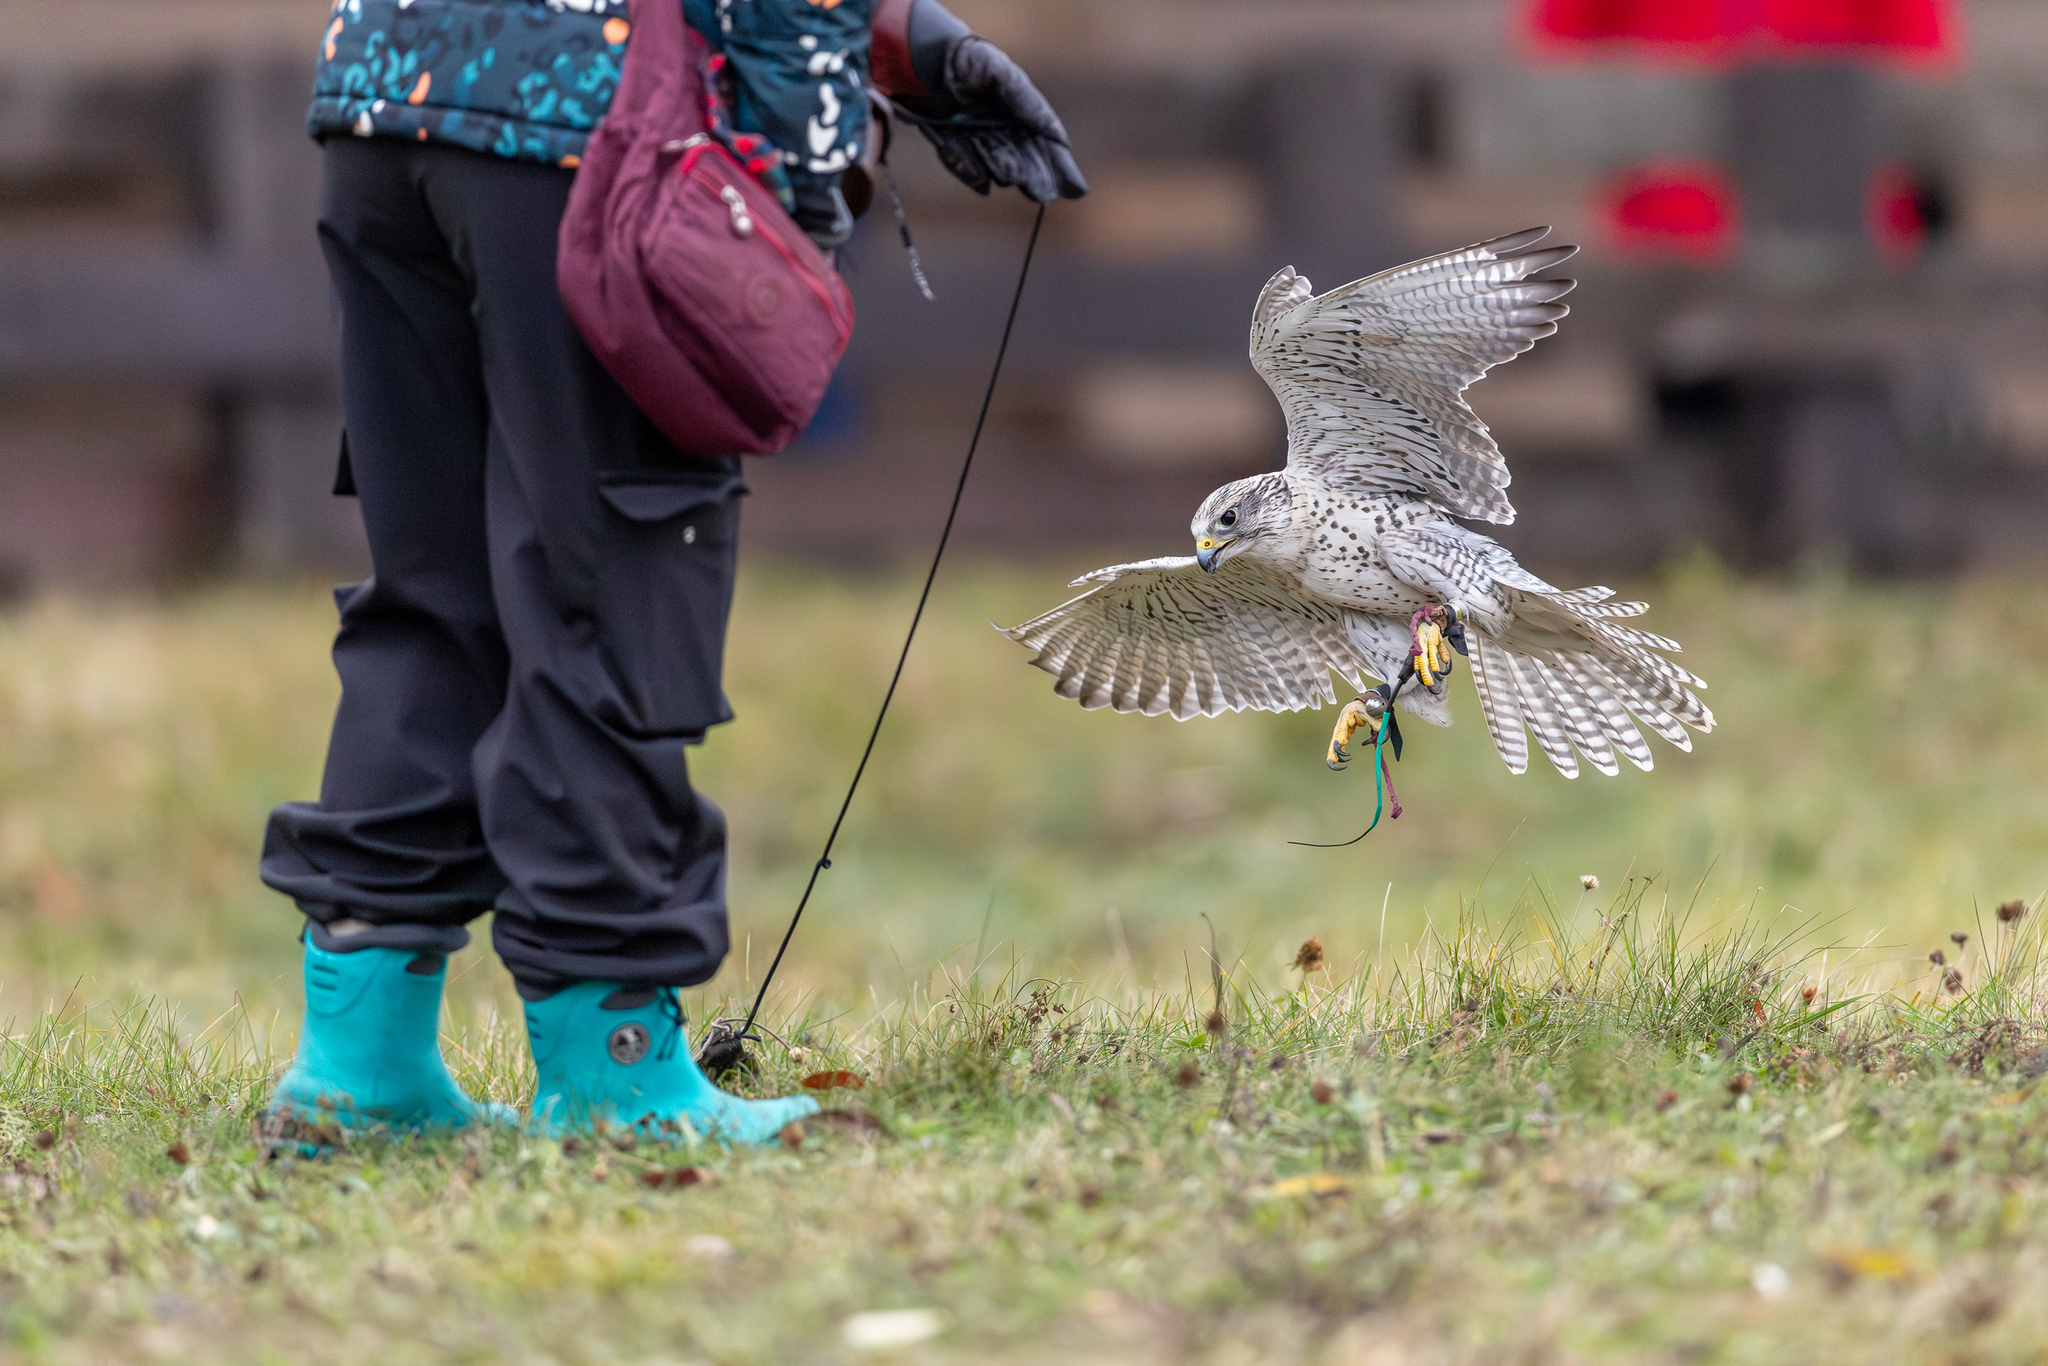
(611, 1054)
(370, 1052)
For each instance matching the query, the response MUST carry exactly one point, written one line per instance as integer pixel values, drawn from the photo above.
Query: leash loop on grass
(724, 1049)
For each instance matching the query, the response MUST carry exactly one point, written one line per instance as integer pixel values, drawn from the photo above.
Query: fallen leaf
(1666, 1101)
(1317, 1183)
(1868, 1263)
(827, 1081)
(1831, 1133)
(852, 1121)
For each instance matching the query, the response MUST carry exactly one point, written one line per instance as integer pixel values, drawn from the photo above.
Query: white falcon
(1340, 562)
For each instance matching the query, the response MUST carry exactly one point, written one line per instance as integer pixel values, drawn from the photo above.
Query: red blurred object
(1923, 26)
(1646, 21)
(1898, 222)
(1683, 210)
(1918, 31)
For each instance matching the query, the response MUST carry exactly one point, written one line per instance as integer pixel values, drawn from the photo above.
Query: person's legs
(394, 847)
(391, 862)
(612, 559)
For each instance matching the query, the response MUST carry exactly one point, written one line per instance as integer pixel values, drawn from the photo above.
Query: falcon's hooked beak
(1209, 552)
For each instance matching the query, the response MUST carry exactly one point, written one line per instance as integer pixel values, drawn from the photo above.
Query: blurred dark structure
(166, 396)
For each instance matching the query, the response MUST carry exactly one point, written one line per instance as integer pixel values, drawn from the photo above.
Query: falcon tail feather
(1583, 698)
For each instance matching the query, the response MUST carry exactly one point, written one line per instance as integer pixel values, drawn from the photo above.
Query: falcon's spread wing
(1370, 374)
(1555, 660)
(1163, 636)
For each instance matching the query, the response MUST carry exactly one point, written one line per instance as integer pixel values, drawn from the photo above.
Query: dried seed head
(1937, 958)
(1952, 982)
(2012, 911)
(1310, 958)
(1958, 938)
(47, 1139)
(179, 1153)
(1666, 1101)
(1739, 1084)
(1189, 1076)
(1809, 993)
(1216, 1023)
(1322, 1093)
(1589, 882)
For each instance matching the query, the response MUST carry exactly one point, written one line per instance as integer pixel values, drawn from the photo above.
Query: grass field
(1511, 1119)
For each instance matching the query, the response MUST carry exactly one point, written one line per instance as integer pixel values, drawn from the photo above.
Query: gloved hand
(989, 123)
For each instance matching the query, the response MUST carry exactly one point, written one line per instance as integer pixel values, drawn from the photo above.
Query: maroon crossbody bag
(713, 310)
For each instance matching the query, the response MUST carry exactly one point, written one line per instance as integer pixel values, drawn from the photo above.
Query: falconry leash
(724, 1047)
(1429, 658)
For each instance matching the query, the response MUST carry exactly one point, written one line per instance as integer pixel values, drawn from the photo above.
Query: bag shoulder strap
(661, 84)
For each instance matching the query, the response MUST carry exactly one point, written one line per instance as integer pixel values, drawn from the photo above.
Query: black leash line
(825, 859)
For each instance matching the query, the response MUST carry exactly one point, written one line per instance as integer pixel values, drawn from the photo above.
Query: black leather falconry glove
(985, 117)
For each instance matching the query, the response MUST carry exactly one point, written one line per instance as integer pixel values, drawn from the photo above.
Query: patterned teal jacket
(531, 78)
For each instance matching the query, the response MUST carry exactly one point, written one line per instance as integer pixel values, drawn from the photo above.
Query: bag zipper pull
(742, 222)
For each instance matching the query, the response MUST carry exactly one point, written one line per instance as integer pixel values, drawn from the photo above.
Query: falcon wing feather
(1162, 636)
(1371, 374)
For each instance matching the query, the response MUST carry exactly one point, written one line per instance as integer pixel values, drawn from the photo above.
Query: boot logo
(628, 1043)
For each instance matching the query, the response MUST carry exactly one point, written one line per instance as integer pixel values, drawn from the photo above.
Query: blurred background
(1803, 397)
(1815, 232)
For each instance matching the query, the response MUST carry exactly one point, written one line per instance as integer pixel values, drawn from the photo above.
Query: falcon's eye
(1228, 519)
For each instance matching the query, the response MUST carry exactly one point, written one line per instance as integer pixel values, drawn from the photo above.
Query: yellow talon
(1427, 665)
(1434, 652)
(1355, 715)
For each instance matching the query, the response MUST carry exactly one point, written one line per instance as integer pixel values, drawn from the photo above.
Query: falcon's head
(1238, 516)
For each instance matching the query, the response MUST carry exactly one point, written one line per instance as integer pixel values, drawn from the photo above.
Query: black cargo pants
(544, 628)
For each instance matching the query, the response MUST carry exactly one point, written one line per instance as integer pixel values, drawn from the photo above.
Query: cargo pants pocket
(664, 594)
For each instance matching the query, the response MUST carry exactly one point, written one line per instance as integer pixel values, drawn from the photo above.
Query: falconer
(523, 669)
